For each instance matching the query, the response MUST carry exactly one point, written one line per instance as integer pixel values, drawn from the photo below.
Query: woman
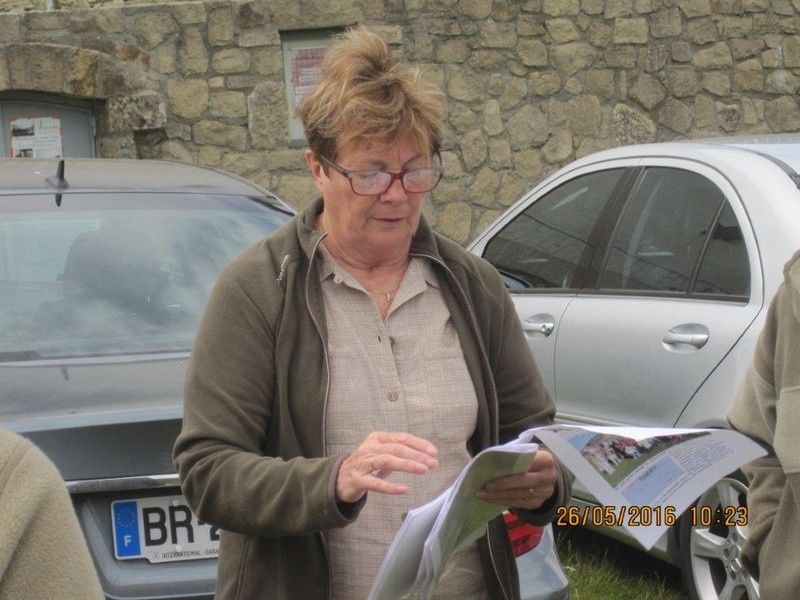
(767, 408)
(42, 550)
(348, 366)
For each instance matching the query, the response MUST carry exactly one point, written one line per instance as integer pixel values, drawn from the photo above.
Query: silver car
(105, 269)
(642, 276)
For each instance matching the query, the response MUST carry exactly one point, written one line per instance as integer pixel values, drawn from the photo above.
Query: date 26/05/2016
(647, 516)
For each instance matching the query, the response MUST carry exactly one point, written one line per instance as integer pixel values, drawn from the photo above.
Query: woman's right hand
(379, 455)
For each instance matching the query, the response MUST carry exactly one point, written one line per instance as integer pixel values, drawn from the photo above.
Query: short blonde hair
(366, 95)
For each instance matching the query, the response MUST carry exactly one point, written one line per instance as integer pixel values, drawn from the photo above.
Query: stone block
(532, 52)
(791, 52)
(703, 31)
(473, 149)
(729, 116)
(476, 9)
(227, 104)
(666, 23)
(515, 90)
(558, 147)
(500, 153)
(630, 31)
(599, 34)
(631, 126)
(749, 76)
(216, 133)
(151, 29)
(752, 111)
(705, 111)
(259, 36)
(681, 51)
(174, 150)
(192, 54)
(682, 82)
(584, 115)
(600, 82)
(462, 118)
(695, 8)
(561, 31)
(782, 115)
(573, 57)
(676, 116)
(715, 57)
(561, 8)
(622, 57)
(455, 221)
(528, 127)
(452, 51)
(510, 190)
(267, 61)
(188, 98)
(647, 91)
(116, 146)
(498, 35)
(492, 121)
(656, 57)
(544, 83)
(483, 190)
(488, 60)
(529, 25)
(267, 124)
(593, 7)
(253, 13)
(618, 8)
(735, 27)
(189, 13)
(230, 60)
(220, 26)
(746, 48)
(782, 82)
(528, 164)
(124, 114)
(465, 85)
(717, 82)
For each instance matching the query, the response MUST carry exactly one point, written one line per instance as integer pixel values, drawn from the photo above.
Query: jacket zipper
(325, 401)
(492, 405)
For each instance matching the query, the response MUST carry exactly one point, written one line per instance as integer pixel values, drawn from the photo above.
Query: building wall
(531, 84)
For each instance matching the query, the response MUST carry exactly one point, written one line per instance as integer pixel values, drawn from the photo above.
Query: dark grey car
(103, 278)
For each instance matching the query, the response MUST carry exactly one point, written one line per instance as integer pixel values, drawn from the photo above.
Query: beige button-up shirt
(405, 374)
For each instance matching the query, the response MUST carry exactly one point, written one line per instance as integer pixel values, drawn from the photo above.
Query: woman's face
(376, 227)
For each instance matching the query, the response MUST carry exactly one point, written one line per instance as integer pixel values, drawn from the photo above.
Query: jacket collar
(424, 241)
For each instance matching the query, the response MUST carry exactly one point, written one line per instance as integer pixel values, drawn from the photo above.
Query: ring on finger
(372, 463)
(530, 494)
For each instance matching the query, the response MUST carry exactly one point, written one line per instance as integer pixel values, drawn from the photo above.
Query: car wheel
(711, 541)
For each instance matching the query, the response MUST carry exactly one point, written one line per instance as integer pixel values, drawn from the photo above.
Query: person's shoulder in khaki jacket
(767, 408)
(43, 555)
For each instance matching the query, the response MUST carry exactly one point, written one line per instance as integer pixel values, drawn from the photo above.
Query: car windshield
(113, 274)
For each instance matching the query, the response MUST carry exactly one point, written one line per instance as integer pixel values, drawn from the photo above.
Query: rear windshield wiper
(16, 355)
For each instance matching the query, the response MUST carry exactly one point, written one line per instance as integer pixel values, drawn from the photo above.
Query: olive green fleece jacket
(43, 554)
(767, 408)
(251, 454)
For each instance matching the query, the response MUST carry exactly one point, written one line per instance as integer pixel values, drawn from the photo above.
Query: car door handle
(691, 334)
(539, 325)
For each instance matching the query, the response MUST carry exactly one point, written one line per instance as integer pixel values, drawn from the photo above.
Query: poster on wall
(36, 137)
(306, 71)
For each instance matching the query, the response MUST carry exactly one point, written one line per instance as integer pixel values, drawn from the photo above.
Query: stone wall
(532, 84)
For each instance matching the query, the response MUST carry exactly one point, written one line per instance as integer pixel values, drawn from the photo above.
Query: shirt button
(392, 396)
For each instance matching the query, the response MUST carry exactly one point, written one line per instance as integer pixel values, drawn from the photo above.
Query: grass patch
(600, 568)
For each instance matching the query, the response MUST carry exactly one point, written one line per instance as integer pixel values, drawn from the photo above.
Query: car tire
(710, 543)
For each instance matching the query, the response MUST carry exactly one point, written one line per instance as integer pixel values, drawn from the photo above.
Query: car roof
(781, 149)
(29, 175)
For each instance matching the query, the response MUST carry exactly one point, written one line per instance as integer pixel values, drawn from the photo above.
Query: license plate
(161, 529)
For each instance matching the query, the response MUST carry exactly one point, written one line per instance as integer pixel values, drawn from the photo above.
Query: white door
(35, 128)
(671, 297)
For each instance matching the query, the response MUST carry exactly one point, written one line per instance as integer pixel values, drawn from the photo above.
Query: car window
(107, 275)
(544, 246)
(725, 269)
(662, 232)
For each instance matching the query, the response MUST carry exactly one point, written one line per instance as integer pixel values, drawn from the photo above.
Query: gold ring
(372, 462)
(530, 494)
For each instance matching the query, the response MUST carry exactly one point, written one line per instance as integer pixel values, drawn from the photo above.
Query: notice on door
(36, 137)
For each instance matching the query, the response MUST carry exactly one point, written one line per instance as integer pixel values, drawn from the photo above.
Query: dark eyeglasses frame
(393, 176)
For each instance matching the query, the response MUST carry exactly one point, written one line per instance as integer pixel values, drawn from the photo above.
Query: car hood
(97, 418)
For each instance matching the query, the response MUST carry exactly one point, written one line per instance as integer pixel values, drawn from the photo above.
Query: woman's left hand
(524, 490)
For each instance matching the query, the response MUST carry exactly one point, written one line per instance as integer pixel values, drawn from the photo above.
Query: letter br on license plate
(161, 529)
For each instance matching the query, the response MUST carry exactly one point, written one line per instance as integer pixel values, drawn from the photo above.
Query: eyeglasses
(371, 183)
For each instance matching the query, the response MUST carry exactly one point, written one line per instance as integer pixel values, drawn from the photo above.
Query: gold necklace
(389, 295)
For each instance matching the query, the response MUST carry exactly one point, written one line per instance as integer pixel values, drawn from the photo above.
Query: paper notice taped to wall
(36, 137)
